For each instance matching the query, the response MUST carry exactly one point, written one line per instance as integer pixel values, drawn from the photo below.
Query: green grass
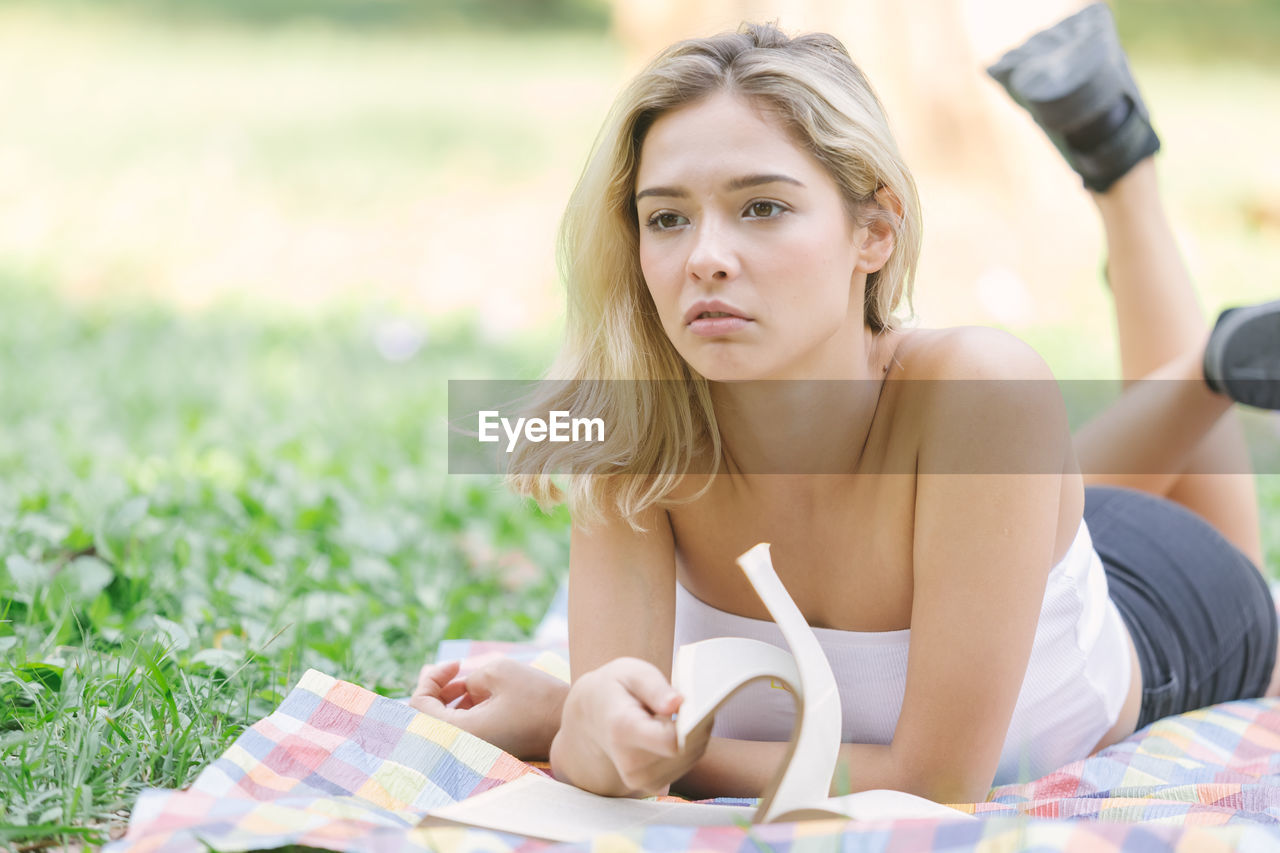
(198, 503)
(195, 511)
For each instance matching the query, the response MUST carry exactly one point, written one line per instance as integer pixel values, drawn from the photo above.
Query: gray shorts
(1200, 613)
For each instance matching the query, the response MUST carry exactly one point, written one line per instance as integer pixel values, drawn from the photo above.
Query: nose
(713, 257)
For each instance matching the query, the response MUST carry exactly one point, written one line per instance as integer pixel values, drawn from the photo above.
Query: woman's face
(746, 247)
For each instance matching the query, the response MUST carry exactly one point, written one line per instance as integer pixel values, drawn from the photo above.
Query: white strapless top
(1076, 681)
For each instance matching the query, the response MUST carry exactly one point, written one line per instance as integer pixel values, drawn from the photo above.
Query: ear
(880, 239)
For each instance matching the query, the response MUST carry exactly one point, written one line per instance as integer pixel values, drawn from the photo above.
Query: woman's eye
(764, 209)
(665, 220)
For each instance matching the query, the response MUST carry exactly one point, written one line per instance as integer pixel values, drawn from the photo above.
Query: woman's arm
(622, 587)
(744, 768)
(989, 509)
(616, 735)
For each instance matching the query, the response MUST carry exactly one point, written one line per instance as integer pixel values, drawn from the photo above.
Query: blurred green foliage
(196, 510)
(1192, 30)
(1236, 31)
(592, 15)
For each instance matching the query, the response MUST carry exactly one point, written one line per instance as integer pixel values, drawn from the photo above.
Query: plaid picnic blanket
(339, 767)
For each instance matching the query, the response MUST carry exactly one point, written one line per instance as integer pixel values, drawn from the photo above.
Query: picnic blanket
(339, 767)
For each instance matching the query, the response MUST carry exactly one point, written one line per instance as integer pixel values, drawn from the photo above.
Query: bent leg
(1190, 445)
(1075, 81)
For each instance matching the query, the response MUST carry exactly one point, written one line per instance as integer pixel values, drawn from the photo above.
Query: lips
(713, 309)
(714, 319)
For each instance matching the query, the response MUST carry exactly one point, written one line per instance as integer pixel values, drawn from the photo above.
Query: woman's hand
(617, 737)
(511, 705)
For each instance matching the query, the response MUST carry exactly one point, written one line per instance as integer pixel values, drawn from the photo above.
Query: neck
(801, 426)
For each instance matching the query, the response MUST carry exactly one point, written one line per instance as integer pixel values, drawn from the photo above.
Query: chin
(720, 361)
(721, 372)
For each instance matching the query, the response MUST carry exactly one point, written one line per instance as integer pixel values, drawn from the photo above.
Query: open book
(706, 674)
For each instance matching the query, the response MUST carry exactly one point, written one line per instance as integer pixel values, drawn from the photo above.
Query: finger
(426, 686)
(452, 691)
(646, 682)
(434, 676)
(478, 685)
(428, 704)
(652, 777)
(643, 784)
(639, 732)
(655, 774)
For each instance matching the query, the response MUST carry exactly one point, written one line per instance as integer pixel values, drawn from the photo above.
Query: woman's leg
(1075, 82)
(1178, 438)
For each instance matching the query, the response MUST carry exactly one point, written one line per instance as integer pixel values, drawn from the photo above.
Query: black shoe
(1075, 81)
(1242, 357)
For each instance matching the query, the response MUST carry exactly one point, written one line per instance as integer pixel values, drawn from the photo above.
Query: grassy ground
(229, 302)
(196, 511)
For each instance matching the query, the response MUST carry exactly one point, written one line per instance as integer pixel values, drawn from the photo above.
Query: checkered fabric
(341, 768)
(335, 766)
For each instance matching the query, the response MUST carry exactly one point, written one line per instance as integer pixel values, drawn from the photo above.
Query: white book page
(706, 673)
(877, 804)
(806, 779)
(540, 807)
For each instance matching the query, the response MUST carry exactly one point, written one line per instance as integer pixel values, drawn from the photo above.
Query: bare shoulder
(984, 402)
(967, 352)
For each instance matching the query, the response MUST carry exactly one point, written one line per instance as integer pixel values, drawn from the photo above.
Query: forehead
(718, 135)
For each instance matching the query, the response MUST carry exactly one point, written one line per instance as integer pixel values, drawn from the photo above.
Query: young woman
(746, 216)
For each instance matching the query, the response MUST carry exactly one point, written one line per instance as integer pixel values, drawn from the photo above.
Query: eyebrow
(730, 186)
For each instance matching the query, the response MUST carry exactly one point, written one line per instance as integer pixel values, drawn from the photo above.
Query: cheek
(647, 268)
(818, 269)
(655, 266)
(835, 257)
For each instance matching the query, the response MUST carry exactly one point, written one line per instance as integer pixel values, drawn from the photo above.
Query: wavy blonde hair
(661, 419)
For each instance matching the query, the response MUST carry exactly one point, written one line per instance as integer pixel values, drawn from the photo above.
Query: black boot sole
(1069, 75)
(1242, 357)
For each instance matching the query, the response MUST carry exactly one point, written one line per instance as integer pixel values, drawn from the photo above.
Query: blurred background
(245, 243)
(413, 156)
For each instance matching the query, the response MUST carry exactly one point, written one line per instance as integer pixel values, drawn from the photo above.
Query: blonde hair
(660, 419)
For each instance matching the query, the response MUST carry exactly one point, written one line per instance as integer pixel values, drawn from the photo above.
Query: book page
(815, 747)
(876, 804)
(708, 672)
(540, 807)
